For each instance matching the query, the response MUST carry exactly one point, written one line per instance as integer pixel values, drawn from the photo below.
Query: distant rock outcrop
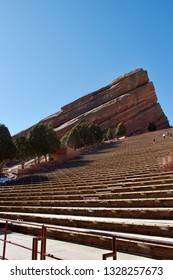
(130, 99)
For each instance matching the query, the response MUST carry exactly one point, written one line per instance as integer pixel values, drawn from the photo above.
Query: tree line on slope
(42, 140)
(82, 135)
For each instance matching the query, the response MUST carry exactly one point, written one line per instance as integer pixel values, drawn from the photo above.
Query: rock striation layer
(130, 98)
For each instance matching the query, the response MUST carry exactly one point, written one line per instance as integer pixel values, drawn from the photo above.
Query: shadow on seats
(103, 148)
(29, 179)
(79, 162)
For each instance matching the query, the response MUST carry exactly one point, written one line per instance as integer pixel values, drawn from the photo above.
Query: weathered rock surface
(130, 98)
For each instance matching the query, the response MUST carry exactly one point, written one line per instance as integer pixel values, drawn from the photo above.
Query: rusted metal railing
(42, 238)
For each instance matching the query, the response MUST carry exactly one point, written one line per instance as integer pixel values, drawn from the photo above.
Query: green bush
(85, 134)
(96, 133)
(73, 138)
(151, 126)
(82, 135)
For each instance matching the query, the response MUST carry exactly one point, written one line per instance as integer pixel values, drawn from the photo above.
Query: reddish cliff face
(130, 98)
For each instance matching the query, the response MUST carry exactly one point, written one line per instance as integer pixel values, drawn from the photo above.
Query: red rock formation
(130, 98)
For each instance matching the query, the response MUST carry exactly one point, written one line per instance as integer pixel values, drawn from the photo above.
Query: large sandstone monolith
(130, 98)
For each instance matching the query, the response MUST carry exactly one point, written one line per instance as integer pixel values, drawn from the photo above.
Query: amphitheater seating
(115, 187)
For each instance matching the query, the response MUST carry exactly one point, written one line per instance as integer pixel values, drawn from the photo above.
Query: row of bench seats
(116, 181)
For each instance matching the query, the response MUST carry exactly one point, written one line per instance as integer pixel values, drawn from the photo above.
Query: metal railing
(42, 238)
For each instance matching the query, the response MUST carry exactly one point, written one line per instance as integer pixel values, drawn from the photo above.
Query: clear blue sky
(55, 51)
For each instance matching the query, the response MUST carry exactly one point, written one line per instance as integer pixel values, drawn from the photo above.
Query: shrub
(85, 134)
(96, 133)
(73, 138)
(82, 135)
(151, 126)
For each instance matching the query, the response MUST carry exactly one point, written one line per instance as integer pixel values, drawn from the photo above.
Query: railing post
(34, 248)
(5, 239)
(114, 248)
(43, 243)
(42, 238)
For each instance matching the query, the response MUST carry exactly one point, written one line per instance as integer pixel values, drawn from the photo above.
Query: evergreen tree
(120, 130)
(151, 126)
(73, 138)
(7, 147)
(52, 140)
(24, 149)
(43, 140)
(83, 135)
(109, 134)
(96, 133)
